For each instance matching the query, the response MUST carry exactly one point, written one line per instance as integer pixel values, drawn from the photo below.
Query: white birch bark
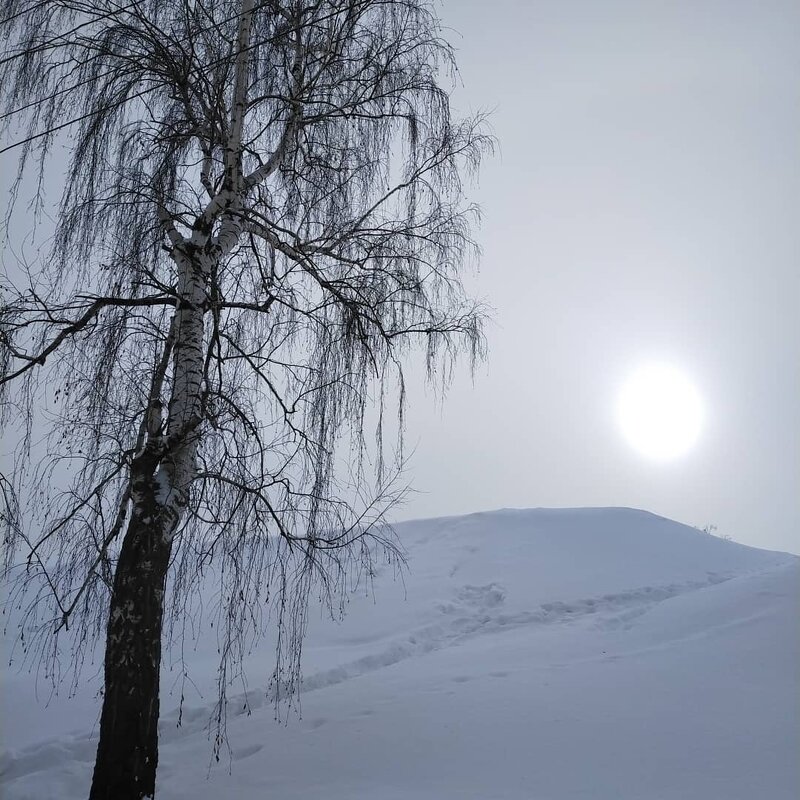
(178, 468)
(195, 260)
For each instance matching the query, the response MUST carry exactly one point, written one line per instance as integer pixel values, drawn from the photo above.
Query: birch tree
(262, 212)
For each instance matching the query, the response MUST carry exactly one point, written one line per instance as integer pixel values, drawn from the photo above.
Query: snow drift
(538, 654)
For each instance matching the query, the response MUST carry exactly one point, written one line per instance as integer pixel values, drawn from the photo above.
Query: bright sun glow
(660, 412)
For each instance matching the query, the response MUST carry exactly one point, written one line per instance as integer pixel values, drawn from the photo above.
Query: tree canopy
(262, 211)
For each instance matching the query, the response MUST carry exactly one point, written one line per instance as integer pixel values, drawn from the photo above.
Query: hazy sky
(644, 205)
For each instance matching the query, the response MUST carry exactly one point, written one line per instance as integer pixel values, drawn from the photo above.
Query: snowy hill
(601, 654)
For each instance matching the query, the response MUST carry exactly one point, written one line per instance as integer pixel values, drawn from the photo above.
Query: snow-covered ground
(601, 654)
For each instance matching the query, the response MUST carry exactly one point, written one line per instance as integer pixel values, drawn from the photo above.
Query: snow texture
(600, 654)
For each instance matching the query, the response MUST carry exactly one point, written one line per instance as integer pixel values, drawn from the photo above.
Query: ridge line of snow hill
(540, 514)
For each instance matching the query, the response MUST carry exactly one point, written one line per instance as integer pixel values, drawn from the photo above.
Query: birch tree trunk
(127, 753)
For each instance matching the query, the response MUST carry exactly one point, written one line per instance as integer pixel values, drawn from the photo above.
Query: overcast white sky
(644, 206)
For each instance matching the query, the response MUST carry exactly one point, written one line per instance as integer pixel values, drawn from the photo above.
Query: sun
(660, 412)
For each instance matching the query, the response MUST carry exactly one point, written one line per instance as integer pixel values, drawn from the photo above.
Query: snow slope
(601, 654)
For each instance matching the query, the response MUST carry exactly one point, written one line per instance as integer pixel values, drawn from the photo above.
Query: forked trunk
(127, 754)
